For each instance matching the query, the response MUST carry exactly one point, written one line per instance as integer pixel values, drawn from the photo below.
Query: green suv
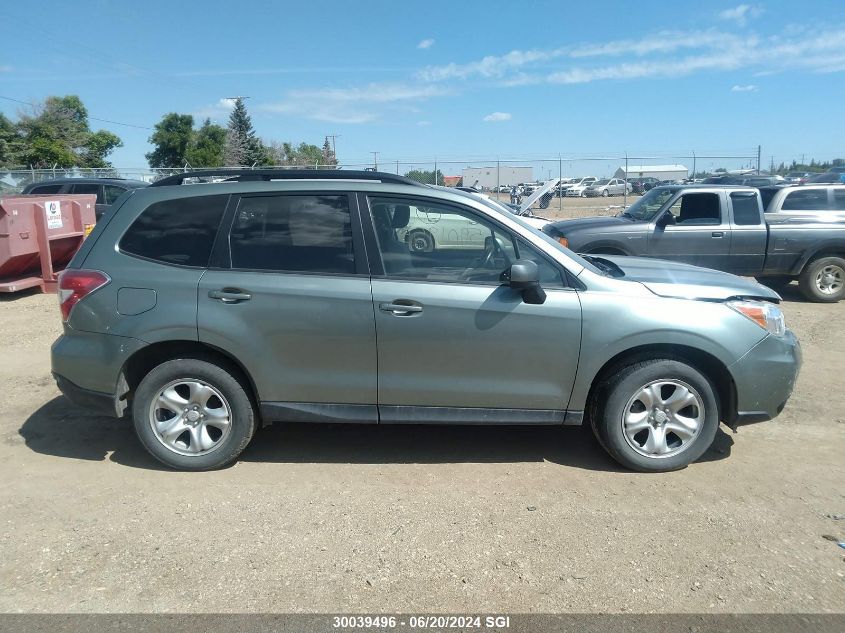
(204, 310)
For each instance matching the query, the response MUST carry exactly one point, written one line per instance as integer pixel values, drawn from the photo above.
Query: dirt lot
(417, 519)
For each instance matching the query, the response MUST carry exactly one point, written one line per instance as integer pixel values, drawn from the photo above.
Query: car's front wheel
(656, 415)
(192, 414)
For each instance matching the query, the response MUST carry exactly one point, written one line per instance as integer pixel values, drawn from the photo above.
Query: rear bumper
(94, 401)
(764, 378)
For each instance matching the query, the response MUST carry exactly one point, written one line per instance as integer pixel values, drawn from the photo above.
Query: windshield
(646, 207)
(602, 182)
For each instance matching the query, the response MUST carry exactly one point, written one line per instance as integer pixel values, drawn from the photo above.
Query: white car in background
(576, 189)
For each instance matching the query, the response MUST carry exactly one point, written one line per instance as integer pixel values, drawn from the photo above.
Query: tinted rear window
(295, 233)
(178, 231)
(746, 209)
(839, 199)
(45, 189)
(806, 200)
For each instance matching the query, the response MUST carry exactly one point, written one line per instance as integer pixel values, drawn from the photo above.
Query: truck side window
(746, 209)
(697, 208)
(839, 199)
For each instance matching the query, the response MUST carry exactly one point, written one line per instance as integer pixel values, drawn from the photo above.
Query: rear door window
(746, 209)
(839, 199)
(293, 233)
(97, 190)
(180, 231)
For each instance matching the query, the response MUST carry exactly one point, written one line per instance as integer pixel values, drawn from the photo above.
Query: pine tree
(328, 157)
(243, 148)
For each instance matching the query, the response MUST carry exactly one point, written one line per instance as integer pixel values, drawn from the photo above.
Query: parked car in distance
(607, 187)
(107, 190)
(723, 227)
(271, 310)
(820, 202)
(576, 189)
(797, 177)
(643, 184)
(829, 177)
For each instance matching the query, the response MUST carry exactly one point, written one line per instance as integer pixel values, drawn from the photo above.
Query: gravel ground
(417, 519)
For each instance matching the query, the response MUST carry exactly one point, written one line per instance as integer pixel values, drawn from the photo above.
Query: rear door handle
(717, 234)
(407, 308)
(229, 295)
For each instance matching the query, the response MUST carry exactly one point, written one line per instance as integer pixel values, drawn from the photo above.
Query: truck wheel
(823, 280)
(421, 242)
(193, 415)
(776, 282)
(655, 416)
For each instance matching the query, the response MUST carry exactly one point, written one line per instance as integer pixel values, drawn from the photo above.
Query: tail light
(75, 285)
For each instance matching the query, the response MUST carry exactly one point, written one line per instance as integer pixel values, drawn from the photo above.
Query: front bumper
(765, 377)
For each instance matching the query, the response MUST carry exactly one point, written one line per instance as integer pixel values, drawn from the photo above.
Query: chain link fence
(492, 176)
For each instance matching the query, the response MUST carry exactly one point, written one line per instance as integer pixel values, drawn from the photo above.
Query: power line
(93, 118)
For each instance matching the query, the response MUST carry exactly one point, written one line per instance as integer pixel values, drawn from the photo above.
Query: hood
(684, 281)
(599, 222)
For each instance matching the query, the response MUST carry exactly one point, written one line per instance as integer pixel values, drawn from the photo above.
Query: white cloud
(216, 111)
(423, 123)
(426, 43)
(655, 56)
(494, 117)
(351, 105)
(745, 88)
(741, 13)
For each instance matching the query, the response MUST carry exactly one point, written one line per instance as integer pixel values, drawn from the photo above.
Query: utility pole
(333, 137)
(375, 160)
(759, 149)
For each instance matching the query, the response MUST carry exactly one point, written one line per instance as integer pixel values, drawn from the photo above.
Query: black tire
(420, 241)
(242, 416)
(609, 406)
(776, 282)
(605, 193)
(811, 284)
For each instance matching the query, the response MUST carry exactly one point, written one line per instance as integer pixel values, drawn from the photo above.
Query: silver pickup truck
(801, 234)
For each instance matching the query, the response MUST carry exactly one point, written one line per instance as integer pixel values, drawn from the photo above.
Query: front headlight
(767, 315)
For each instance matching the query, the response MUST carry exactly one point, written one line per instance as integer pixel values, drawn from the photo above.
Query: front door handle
(401, 307)
(717, 234)
(229, 295)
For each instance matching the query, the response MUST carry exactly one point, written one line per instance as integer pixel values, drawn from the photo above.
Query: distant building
(661, 172)
(451, 181)
(491, 177)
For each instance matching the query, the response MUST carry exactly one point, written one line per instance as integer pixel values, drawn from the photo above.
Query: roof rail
(241, 175)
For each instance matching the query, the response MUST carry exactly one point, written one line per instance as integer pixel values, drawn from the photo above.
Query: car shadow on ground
(61, 429)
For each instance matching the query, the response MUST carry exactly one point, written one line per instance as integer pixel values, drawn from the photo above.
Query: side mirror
(665, 220)
(524, 275)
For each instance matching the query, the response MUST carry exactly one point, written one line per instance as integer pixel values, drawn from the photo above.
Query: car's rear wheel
(192, 414)
(655, 416)
(605, 193)
(421, 242)
(823, 280)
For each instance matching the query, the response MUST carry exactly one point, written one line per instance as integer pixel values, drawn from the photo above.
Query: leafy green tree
(207, 146)
(171, 137)
(425, 176)
(9, 143)
(57, 133)
(243, 147)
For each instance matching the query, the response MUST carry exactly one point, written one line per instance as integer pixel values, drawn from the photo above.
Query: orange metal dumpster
(38, 237)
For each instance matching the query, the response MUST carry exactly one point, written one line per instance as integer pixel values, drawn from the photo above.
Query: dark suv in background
(107, 190)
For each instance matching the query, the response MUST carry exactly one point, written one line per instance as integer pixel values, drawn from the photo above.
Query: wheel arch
(145, 359)
(827, 249)
(712, 368)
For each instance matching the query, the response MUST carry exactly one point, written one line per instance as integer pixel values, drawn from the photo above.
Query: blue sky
(450, 79)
